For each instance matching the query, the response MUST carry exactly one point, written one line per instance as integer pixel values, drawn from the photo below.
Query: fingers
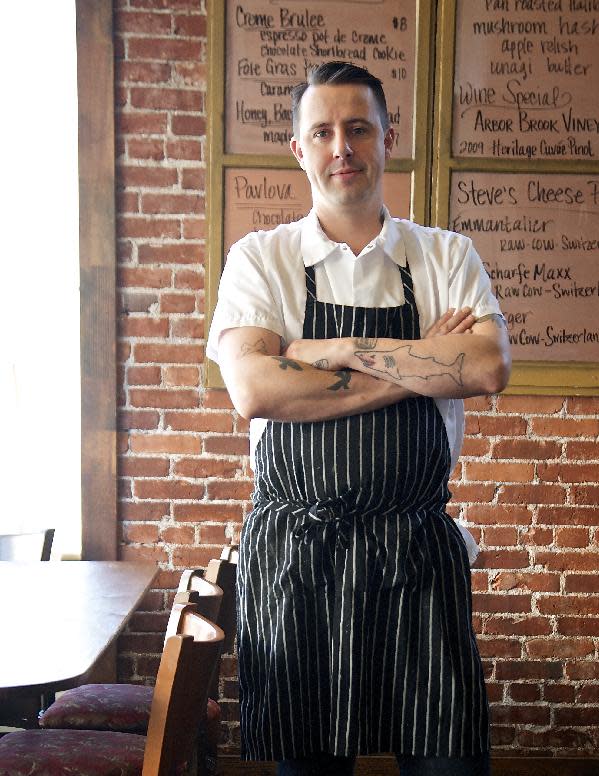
(435, 328)
(458, 318)
(444, 320)
(461, 326)
(453, 322)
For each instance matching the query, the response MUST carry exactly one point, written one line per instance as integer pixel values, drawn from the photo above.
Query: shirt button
(344, 247)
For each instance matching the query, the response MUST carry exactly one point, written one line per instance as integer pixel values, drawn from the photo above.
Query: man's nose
(342, 148)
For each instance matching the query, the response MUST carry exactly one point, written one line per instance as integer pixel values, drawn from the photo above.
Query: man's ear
(389, 140)
(296, 150)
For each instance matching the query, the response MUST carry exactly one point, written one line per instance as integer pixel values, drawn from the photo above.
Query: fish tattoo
(423, 368)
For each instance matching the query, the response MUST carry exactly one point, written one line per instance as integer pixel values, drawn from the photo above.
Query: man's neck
(356, 230)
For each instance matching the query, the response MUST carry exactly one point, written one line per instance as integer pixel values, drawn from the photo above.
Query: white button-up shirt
(263, 284)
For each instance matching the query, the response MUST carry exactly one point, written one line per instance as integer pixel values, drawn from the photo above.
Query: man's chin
(352, 196)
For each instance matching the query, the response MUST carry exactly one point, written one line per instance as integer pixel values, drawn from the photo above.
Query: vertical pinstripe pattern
(355, 629)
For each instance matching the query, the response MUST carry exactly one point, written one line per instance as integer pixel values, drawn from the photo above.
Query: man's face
(341, 146)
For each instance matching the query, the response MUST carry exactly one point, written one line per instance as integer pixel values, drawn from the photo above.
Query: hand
(319, 353)
(453, 322)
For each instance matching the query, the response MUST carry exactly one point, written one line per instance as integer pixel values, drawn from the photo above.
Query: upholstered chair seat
(122, 707)
(62, 752)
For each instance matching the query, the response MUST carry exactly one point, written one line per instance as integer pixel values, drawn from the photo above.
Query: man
(349, 338)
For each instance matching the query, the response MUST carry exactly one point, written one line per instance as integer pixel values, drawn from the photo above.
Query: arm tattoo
(497, 319)
(365, 343)
(415, 366)
(322, 363)
(257, 347)
(344, 376)
(285, 363)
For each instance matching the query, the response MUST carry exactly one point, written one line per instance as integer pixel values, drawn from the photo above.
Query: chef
(350, 338)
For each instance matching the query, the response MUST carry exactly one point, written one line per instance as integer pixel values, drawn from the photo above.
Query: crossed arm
(330, 378)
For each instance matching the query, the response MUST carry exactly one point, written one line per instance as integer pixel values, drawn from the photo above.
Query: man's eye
(321, 133)
(359, 130)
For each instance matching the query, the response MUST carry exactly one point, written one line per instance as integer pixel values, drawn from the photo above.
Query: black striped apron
(355, 632)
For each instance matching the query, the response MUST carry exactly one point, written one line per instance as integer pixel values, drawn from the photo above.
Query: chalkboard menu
(263, 199)
(516, 167)
(538, 237)
(526, 79)
(272, 46)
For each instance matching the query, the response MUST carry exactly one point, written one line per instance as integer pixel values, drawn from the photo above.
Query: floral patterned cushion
(68, 752)
(122, 707)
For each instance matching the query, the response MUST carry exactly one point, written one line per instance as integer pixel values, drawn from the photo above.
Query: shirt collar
(392, 239)
(316, 246)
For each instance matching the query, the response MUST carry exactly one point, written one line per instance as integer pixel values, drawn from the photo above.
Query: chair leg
(206, 761)
(205, 756)
(192, 764)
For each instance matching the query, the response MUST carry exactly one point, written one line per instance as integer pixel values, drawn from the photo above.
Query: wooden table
(57, 619)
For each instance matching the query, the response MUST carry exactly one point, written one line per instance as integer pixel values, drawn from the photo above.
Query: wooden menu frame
(528, 377)
(219, 161)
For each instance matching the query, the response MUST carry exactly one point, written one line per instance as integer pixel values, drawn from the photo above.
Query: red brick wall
(527, 484)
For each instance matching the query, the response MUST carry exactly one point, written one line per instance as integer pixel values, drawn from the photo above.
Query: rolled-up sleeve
(244, 296)
(469, 283)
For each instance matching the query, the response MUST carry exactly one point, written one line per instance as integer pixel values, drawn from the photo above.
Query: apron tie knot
(324, 515)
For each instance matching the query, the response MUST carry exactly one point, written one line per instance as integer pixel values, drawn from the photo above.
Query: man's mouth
(346, 171)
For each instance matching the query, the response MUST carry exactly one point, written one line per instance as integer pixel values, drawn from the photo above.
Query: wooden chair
(27, 546)
(223, 572)
(207, 595)
(178, 709)
(126, 708)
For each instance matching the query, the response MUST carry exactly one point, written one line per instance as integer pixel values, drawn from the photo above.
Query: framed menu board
(271, 46)
(516, 167)
(538, 235)
(535, 97)
(259, 50)
(263, 199)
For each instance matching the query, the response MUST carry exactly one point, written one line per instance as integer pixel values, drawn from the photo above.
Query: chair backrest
(223, 572)
(27, 546)
(205, 602)
(181, 693)
(193, 588)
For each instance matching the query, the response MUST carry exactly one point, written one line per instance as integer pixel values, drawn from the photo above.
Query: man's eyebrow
(318, 125)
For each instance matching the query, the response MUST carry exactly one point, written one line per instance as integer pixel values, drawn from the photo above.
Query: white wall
(39, 312)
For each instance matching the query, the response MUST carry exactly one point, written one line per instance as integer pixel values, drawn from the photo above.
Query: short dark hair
(337, 73)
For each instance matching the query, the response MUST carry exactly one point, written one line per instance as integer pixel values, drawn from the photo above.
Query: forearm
(284, 389)
(449, 366)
